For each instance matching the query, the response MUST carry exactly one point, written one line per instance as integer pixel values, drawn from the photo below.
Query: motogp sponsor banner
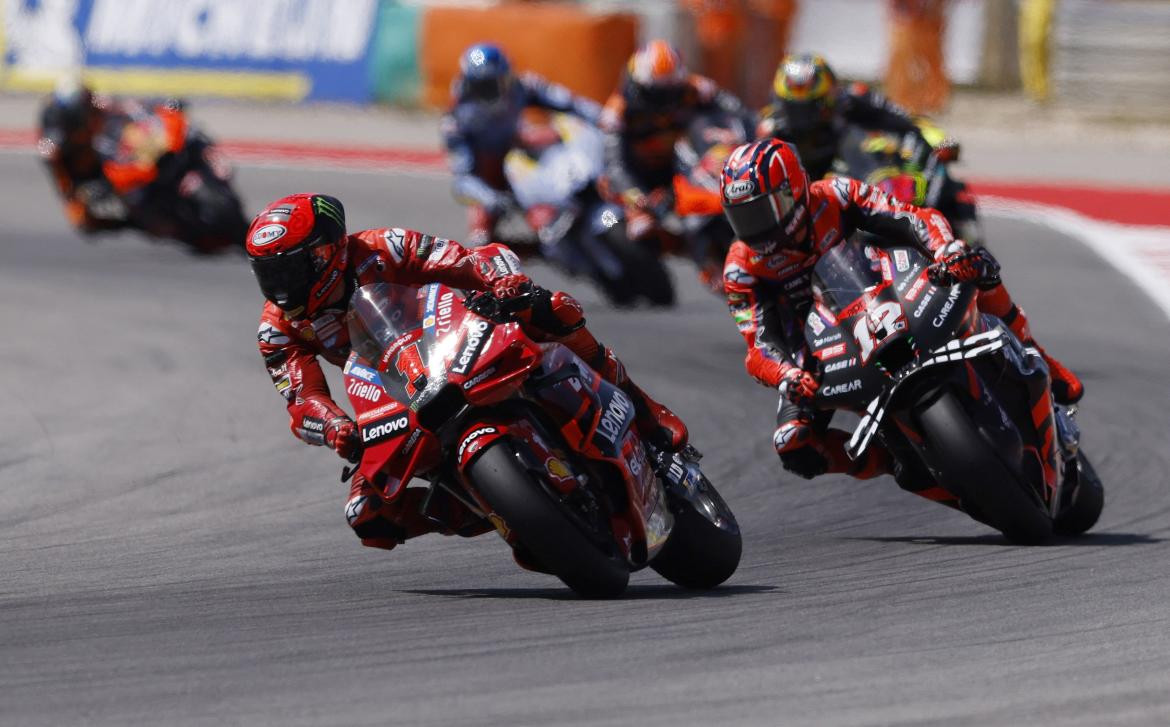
(292, 49)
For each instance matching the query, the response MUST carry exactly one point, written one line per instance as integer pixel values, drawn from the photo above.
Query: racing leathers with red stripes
(290, 347)
(769, 294)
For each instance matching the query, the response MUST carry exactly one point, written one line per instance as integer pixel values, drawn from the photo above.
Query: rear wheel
(971, 469)
(1085, 503)
(705, 545)
(563, 542)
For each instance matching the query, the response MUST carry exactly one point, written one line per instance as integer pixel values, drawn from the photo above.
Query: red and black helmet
(765, 193)
(298, 249)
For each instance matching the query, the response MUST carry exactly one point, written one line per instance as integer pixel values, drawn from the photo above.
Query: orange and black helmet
(765, 193)
(655, 74)
(297, 246)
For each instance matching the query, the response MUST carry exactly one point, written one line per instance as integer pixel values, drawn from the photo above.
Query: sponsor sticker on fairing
(477, 335)
(815, 323)
(830, 352)
(383, 430)
(901, 260)
(470, 443)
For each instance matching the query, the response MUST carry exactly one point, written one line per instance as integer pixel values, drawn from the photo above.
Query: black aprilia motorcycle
(961, 404)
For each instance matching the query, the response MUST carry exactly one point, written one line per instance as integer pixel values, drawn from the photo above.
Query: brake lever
(355, 459)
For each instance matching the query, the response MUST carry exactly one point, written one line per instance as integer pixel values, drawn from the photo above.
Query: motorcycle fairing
(596, 420)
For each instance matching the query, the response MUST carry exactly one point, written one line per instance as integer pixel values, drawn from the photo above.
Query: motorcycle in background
(552, 172)
(526, 437)
(963, 406)
(169, 179)
(697, 216)
(909, 169)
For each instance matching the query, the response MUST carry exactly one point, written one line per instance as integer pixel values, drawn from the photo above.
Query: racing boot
(1066, 386)
(655, 422)
(808, 453)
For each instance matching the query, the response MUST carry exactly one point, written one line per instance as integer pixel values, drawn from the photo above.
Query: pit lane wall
(352, 51)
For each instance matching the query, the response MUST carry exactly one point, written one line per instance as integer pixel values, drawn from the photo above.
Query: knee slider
(363, 513)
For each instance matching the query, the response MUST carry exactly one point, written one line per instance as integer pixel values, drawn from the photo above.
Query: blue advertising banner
(293, 49)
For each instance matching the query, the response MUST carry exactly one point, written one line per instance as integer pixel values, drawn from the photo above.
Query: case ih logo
(268, 234)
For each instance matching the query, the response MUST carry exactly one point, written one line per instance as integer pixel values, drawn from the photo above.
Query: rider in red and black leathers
(307, 268)
(784, 224)
(482, 125)
(642, 120)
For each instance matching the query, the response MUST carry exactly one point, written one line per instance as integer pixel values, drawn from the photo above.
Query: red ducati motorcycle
(528, 437)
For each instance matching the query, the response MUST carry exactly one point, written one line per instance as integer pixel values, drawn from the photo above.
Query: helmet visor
(285, 279)
(761, 217)
(488, 90)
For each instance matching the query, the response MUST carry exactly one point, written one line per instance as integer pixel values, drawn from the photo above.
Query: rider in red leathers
(784, 224)
(307, 268)
(642, 120)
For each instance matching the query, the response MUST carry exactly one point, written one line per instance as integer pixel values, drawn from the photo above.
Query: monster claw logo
(323, 206)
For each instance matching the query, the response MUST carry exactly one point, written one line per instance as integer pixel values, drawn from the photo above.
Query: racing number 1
(409, 363)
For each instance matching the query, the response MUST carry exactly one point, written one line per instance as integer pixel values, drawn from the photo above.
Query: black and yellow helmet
(805, 78)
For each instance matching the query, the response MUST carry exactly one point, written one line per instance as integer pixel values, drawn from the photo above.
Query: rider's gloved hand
(958, 263)
(341, 436)
(799, 386)
(511, 286)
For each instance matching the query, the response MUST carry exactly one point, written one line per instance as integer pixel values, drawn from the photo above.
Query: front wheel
(970, 468)
(705, 545)
(1085, 503)
(644, 274)
(553, 534)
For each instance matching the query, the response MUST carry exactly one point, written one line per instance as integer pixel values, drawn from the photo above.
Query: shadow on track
(662, 592)
(1090, 539)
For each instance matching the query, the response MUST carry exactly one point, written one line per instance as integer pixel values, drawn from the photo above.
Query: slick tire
(971, 469)
(545, 529)
(1086, 503)
(699, 553)
(645, 274)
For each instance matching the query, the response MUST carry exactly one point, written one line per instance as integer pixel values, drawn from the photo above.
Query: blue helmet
(484, 74)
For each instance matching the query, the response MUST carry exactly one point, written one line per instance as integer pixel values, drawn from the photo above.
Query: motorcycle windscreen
(409, 335)
(847, 277)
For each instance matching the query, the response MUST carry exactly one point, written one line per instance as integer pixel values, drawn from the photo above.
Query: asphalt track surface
(169, 554)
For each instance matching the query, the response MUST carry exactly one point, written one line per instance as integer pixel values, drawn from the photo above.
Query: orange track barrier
(557, 40)
(916, 77)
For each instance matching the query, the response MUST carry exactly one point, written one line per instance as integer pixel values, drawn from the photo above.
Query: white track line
(1141, 253)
